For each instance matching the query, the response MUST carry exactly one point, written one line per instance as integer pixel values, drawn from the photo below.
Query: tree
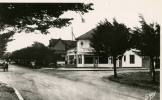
(38, 45)
(7, 56)
(147, 39)
(37, 52)
(38, 16)
(111, 39)
(29, 17)
(4, 39)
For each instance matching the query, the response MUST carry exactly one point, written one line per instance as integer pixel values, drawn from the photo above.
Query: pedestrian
(33, 64)
(6, 66)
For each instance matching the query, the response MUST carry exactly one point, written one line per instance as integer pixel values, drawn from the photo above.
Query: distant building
(85, 56)
(60, 47)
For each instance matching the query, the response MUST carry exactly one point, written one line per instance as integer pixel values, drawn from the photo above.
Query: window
(81, 43)
(124, 58)
(103, 60)
(88, 59)
(79, 59)
(132, 59)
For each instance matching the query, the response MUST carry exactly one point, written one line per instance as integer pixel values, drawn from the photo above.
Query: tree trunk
(152, 69)
(114, 62)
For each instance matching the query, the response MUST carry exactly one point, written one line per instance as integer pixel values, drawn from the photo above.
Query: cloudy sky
(125, 11)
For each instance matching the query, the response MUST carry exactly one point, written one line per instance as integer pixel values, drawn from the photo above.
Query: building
(131, 58)
(85, 56)
(60, 47)
(71, 56)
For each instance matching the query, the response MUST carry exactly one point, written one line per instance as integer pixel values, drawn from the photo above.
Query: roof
(68, 43)
(87, 35)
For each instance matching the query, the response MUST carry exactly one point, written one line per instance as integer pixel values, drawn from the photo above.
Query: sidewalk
(94, 69)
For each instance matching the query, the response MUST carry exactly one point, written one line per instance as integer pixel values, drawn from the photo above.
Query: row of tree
(38, 53)
(113, 39)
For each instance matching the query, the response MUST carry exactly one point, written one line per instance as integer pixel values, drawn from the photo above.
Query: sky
(125, 11)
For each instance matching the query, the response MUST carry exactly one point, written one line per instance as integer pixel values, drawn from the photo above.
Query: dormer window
(81, 43)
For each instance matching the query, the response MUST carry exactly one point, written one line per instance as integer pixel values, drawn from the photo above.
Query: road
(68, 85)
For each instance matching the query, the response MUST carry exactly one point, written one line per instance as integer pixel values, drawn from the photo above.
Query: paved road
(68, 85)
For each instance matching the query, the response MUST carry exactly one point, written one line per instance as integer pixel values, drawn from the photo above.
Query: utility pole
(72, 33)
(82, 20)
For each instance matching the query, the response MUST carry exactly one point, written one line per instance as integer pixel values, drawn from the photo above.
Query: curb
(92, 69)
(18, 94)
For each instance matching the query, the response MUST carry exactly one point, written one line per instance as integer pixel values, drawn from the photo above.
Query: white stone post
(82, 59)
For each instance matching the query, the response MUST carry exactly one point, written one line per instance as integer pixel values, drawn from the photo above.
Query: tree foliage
(147, 39)
(29, 17)
(4, 39)
(43, 15)
(37, 52)
(111, 39)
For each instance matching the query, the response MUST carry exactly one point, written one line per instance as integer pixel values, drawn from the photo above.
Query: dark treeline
(38, 53)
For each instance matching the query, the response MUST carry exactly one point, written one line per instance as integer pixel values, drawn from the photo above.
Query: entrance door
(95, 61)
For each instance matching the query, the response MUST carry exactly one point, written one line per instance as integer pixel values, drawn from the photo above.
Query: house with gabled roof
(85, 56)
(60, 48)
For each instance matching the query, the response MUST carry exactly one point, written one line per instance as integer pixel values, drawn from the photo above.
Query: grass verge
(7, 93)
(138, 79)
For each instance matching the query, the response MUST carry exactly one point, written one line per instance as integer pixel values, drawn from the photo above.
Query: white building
(131, 59)
(86, 58)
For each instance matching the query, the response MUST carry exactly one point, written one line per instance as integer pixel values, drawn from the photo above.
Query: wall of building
(95, 62)
(137, 62)
(146, 62)
(83, 46)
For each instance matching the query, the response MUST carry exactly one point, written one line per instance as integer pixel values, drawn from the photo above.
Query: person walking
(33, 64)
(5, 66)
